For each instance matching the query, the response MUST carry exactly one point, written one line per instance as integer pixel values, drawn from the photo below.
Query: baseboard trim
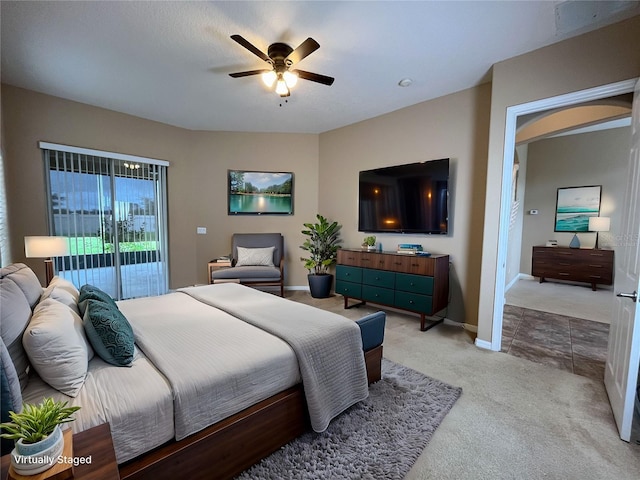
(470, 328)
(297, 287)
(483, 344)
(519, 276)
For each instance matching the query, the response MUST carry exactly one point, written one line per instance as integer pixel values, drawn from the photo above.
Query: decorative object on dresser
(599, 224)
(322, 243)
(369, 242)
(415, 283)
(573, 264)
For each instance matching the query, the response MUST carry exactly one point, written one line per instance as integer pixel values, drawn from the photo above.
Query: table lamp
(599, 224)
(46, 247)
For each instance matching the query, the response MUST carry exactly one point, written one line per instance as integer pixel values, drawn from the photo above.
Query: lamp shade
(45, 247)
(599, 224)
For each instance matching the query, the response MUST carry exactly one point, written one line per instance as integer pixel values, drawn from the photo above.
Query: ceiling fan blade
(314, 77)
(304, 49)
(247, 73)
(249, 46)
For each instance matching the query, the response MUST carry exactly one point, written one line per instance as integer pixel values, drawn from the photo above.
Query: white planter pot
(33, 458)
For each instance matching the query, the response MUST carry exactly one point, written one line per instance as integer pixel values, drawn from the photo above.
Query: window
(112, 207)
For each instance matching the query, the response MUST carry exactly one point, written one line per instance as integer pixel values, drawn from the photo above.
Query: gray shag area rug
(378, 438)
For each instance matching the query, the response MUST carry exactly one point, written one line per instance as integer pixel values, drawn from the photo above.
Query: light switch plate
(201, 230)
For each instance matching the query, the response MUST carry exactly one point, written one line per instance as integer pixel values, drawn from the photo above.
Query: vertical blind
(5, 257)
(112, 207)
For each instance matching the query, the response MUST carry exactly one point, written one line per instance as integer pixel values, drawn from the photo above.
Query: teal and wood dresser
(415, 283)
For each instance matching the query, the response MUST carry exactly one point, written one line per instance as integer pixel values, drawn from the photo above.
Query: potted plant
(369, 242)
(39, 438)
(322, 244)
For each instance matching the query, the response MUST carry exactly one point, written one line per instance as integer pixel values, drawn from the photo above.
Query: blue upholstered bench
(372, 332)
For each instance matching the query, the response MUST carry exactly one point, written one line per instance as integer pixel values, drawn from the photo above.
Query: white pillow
(64, 284)
(255, 256)
(57, 347)
(63, 291)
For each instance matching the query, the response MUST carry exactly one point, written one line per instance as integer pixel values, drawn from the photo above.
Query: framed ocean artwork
(574, 206)
(260, 193)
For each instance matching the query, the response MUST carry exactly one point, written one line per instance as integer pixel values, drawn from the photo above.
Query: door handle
(633, 296)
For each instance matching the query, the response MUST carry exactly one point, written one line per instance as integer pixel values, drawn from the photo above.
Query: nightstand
(217, 265)
(95, 443)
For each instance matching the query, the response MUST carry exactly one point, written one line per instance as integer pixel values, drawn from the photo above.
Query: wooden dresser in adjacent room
(594, 266)
(415, 283)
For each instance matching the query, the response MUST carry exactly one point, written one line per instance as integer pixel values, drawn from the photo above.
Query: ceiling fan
(281, 57)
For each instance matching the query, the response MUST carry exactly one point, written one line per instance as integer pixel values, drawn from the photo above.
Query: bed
(219, 376)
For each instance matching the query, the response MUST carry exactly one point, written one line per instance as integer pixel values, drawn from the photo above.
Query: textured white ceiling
(169, 61)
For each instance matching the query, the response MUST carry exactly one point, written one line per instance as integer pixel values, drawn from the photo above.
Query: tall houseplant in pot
(39, 439)
(322, 243)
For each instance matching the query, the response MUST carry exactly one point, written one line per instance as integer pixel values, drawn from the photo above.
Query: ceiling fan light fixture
(269, 78)
(281, 88)
(290, 79)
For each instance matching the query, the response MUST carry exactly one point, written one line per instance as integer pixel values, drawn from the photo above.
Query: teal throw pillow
(109, 333)
(90, 292)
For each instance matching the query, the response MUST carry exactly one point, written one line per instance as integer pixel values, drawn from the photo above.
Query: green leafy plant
(369, 241)
(36, 422)
(322, 244)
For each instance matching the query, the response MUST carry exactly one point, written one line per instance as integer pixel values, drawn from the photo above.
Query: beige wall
(596, 158)
(453, 126)
(463, 126)
(196, 180)
(604, 56)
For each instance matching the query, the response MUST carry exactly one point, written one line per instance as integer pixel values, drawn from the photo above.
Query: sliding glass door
(113, 210)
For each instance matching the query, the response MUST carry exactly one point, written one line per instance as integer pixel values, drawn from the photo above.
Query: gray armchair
(250, 266)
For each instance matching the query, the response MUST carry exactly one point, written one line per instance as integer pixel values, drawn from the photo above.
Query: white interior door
(623, 356)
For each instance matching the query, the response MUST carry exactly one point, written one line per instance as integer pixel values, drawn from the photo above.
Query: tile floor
(572, 344)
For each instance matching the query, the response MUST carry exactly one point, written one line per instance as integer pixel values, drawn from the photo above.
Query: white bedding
(136, 401)
(217, 365)
(328, 346)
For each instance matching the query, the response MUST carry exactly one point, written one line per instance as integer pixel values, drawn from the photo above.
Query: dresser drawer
(413, 301)
(379, 278)
(592, 266)
(349, 274)
(414, 283)
(348, 289)
(377, 294)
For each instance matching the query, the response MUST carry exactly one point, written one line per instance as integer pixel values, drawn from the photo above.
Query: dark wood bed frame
(229, 447)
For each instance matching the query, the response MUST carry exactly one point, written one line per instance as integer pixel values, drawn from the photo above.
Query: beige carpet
(577, 301)
(515, 419)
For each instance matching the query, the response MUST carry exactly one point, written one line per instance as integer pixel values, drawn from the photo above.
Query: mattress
(136, 401)
(216, 364)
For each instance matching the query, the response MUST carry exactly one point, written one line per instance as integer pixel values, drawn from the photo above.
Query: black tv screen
(410, 198)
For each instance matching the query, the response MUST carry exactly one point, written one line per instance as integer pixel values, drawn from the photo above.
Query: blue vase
(575, 241)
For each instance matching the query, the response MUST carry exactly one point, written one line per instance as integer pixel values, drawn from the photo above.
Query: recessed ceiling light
(405, 82)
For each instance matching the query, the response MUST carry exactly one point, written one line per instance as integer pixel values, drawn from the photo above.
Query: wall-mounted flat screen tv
(260, 193)
(411, 198)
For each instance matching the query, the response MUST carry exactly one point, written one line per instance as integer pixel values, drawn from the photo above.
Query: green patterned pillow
(90, 292)
(109, 332)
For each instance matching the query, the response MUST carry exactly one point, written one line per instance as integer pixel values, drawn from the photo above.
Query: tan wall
(453, 126)
(596, 158)
(604, 56)
(196, 181)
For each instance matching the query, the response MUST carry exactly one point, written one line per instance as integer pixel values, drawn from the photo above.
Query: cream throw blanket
(328, 346)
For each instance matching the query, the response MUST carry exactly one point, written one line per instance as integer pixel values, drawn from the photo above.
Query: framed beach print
(260, 193)
(574, 206)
